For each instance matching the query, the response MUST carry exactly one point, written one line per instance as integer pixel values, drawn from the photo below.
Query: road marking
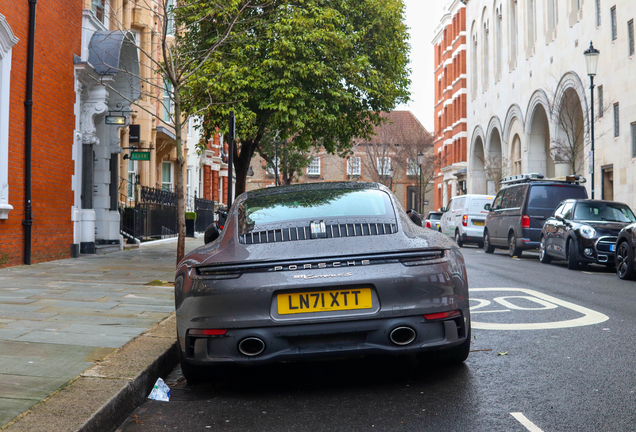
(589, 317)
(525, 422)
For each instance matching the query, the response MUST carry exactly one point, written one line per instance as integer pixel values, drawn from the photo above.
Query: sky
(422, 17)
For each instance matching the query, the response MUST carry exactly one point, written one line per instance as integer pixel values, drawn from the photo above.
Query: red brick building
(57, 40)
(450, 104)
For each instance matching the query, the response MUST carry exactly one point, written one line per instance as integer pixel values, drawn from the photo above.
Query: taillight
(207, 332)
(428, 224)
(442, 315)
(465, 220)
(525, 221)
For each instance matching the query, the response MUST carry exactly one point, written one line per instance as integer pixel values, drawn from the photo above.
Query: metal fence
(147, 213)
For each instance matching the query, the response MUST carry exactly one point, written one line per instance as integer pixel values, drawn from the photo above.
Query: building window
(384, 165)
(354, 166)
(633, 128)
(617, 129)
(99, 8)
(412, 168)
(531, 27)
(498, 38)
(166, 176)
(314, 167)
(132, 176)
(630, 33)
(513, 34)
(598, 13)
(600, 101)
(189, 197)
(614, 26)
(7, 41)
(485, 58)
(168, 107)
(169, 17)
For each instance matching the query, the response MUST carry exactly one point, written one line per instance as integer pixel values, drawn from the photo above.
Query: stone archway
(539, 159)
(497, 165)
(516, 165)
(478, 171)
(568, 148)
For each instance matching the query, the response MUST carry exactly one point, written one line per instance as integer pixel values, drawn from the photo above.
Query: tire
(195, 374)
(513, 250)
(573, 259)
(458, 239)
(488, 248)
(544, 258)
(625, 262)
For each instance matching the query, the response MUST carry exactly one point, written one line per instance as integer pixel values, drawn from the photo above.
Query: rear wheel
(488, 248)
(573, 259)
(625, 262)
(195, 374)
(458, 239)
(543, 255)
(513, 250)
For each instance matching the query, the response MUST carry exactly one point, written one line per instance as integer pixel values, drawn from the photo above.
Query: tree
(496, 168)
(284, 158)
(317, 71)
(176, 61)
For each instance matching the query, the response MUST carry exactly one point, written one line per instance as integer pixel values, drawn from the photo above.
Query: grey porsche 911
(316, 270)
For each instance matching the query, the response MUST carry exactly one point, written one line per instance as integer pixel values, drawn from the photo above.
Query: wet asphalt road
(571, 368)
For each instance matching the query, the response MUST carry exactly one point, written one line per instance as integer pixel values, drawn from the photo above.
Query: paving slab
(58, 319)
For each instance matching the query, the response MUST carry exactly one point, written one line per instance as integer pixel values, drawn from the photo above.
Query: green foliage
(316, 70)
(191, 216)
(292, 159)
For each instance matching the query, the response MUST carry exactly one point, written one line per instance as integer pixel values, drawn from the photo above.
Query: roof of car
(310, 187)
(588, 200)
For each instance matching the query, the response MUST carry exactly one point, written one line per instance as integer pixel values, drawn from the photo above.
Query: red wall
(57, 38)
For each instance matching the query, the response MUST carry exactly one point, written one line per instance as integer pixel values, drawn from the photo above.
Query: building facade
(389, 157)
(53, 129)
(530, 108)
(451, 137)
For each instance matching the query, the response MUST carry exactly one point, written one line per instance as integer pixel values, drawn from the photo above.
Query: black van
(521, 207)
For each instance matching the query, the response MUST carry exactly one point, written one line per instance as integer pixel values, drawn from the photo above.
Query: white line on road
(527, 423)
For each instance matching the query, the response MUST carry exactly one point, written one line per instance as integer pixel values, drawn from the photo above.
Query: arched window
(513, 34)
(515, 156)
(552, 20)
(475, 69)
(7, 41)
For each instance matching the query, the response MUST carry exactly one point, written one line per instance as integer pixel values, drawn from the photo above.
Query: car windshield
(605, 212)
(316, 204)
(434, 216)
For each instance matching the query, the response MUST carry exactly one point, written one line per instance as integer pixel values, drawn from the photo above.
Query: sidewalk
(60, 318)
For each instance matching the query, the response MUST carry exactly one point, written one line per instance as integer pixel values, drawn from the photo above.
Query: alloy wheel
(624, 266)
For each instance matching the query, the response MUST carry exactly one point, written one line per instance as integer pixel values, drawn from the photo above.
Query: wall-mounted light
(115, 120)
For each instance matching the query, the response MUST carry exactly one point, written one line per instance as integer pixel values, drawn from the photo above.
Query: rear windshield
(549, 196)
(316, 205)
(435, 216)
(477, 205)
(607, 212)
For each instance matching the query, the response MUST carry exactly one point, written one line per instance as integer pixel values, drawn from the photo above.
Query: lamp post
(420, 161)
(591, 63)
(391, 173)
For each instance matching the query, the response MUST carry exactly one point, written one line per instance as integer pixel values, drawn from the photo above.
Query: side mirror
(211, 233)
(487, 207)
(559, 218)
(443, 209)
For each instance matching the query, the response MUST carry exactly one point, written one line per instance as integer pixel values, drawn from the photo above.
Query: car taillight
(428, 224)
(525, 221)
(465, 220)
(207, 332)
(442, 315)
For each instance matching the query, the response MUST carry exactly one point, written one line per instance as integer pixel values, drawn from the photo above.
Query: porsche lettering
(293, 267)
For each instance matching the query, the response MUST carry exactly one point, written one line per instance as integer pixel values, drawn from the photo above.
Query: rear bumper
(336, 339)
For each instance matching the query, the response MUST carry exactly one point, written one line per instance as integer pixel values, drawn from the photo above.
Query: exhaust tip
(402, 335)
(251, 346)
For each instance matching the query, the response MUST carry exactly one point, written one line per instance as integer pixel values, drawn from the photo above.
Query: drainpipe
(28, 105)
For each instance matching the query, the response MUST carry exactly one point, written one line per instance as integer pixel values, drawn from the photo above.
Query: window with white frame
(170, 17)
(354, 166)
(614, 25)
(412, 169)
(167, 174)
(189, 197)
(7, 41)
(132, 178)
(384, 165)
(100, 9)
(314, 167)
(168, 107)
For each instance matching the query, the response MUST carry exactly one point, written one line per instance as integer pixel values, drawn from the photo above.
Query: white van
(464, 218)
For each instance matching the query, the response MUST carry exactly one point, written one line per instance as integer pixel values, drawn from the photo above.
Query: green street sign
(140, 155)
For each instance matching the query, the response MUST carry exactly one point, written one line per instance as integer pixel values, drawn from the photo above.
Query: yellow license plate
(480, 223)
(323, 301)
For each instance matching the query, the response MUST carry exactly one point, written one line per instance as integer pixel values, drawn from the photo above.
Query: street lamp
(420, 161)
(591, 63)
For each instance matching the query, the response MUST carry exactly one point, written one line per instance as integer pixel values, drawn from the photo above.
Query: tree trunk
(242, 164)
(179, 178)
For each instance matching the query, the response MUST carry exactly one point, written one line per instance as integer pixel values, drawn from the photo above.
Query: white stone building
(529, 104)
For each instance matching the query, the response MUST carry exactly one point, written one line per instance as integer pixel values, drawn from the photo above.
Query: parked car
(432, 220)
(522, 206)
(584, 231)
(415, 217)
(464, 218)
(625, 256)
(318, 270)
